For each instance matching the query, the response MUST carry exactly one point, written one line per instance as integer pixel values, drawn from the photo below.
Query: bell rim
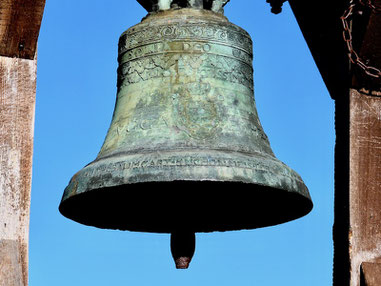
(305, 206)
(82, 186)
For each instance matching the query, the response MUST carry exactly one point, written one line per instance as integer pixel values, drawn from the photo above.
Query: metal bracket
(160, 5)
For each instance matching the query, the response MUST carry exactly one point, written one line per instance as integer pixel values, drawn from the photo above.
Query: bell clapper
(183, 245)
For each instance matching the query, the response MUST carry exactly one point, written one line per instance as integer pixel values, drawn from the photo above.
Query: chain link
(347, 35)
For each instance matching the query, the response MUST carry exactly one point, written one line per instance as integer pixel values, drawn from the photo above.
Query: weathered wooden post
(19, 27)
(351, 28)
(365, 148)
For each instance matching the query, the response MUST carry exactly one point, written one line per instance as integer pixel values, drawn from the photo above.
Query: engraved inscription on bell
(185, 123)
(185, 85)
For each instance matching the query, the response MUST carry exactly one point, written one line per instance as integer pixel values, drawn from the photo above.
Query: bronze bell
(185, 151)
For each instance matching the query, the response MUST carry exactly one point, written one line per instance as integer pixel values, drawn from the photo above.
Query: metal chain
(347, 34)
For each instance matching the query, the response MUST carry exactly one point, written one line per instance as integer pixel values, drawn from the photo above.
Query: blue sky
(76, 91)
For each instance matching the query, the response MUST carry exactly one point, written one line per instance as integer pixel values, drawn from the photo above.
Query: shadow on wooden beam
(20, 22)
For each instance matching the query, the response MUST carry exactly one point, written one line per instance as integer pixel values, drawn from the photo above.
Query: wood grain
(17, 103)
(370, 274)
(365, 181)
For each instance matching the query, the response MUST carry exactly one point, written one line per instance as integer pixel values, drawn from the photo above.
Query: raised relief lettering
(173, 161)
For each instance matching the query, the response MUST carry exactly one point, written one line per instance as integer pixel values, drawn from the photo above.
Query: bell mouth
(197, 206)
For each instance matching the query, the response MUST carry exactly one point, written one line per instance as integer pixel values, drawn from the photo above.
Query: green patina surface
(185, 82)
(185, 109)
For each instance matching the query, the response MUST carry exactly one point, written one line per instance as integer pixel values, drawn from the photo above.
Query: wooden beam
(365, 156)
(20, 22)
(322, 29)
(17, 102)
(365, 181)
(370, 274)
(369, 50)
